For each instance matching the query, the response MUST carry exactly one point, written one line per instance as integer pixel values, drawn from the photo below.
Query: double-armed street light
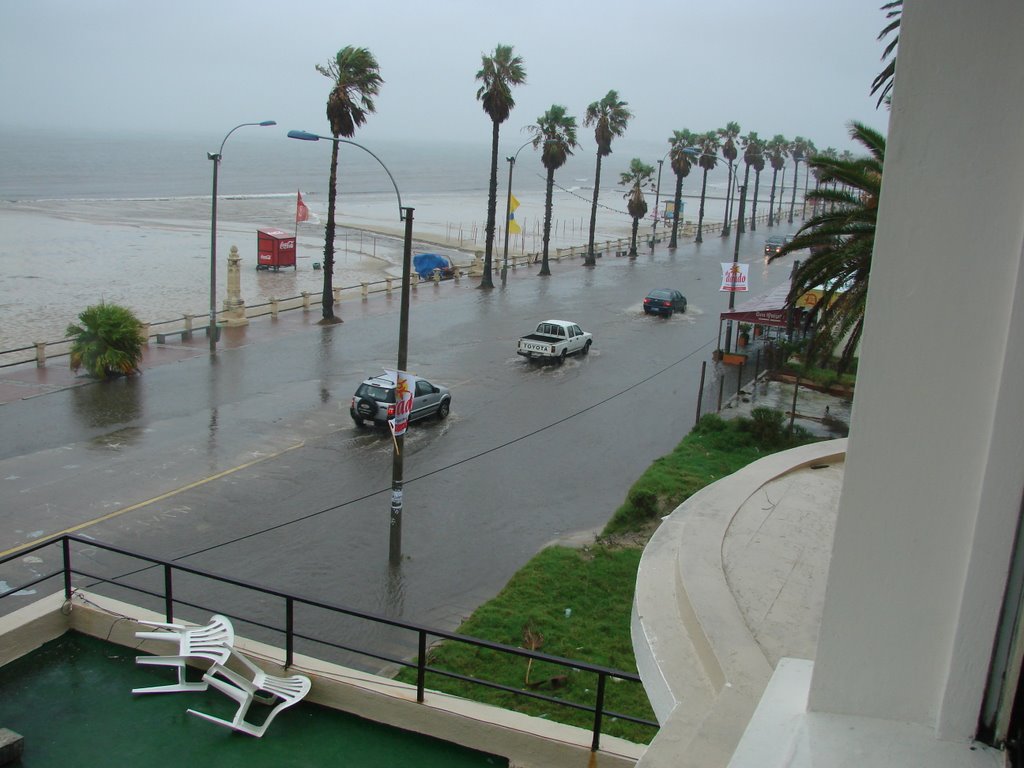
(215, 157)
(406, 215)
(508, 207)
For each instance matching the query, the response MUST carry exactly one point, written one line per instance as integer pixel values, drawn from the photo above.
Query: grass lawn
(576, 603)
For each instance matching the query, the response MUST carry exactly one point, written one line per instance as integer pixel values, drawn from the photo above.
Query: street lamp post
(215, 157)
(735, 261)
(657, 197)
(508, 207)
(397, 481)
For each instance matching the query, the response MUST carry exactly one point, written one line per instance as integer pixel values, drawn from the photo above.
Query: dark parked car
(664, 301)
(773, 245)
(374, 401)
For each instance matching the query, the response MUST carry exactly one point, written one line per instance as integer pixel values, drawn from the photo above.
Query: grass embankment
(576, 603)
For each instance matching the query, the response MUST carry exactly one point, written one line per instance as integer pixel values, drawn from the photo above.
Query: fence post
(66, 550)
(598, 712)
(40, 354)
(273, 307)
(145, 333)
(700, 392)
(187, 333)
(337, 295)
(289, 632)
(305, 301)
(387, 283)
(168, 593)
(421, 666)
(366, 290)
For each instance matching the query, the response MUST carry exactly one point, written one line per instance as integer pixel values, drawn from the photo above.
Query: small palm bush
(108, 342)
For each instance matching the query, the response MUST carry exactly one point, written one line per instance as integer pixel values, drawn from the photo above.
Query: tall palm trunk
(792, 200)
(771, 198)
(591, 261)
(492, 203)
(632, 242)
(726, 225)
(676, 214)
(753, 209)
(549, 192)
(327, 300)
(700, 215)
(746, 182)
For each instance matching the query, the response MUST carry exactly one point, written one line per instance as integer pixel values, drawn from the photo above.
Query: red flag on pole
(301, 211)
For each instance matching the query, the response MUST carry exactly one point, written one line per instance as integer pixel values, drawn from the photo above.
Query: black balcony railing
(74, 569)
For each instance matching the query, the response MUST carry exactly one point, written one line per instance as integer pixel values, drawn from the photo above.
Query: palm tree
(708, 144)
(356, 80)
(778, 151)
(730, 133)
(555, 134)
(682, 162)
(609, 117)
(108, 342)
(753, 148)
(883, 82)
(498, 73)
(809, 151)
(797, 151)
(841, 240)
(635, 179)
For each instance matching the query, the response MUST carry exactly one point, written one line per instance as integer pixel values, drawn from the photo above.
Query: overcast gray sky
(796, 67)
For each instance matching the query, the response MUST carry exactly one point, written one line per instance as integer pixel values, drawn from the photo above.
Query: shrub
(766, 426)
(108, 342)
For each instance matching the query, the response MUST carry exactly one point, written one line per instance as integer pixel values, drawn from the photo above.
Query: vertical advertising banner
(734, 277)
(404, 386)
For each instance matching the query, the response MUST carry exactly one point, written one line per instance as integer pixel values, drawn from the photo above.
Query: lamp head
(265, 123)
(303, 136)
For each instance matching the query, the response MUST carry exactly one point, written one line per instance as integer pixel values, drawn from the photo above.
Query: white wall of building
(935, 467)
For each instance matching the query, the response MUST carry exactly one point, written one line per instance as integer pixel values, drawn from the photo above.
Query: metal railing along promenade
(82, 567)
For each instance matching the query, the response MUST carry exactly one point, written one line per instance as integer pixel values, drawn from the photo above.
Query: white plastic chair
(286, 691)
(212, 643)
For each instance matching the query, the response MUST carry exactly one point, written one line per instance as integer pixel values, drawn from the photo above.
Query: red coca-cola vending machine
(275, 248)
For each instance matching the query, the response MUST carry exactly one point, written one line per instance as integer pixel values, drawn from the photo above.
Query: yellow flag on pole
(513, 226)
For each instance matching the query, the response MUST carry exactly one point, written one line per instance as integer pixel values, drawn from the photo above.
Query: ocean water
(127, 218)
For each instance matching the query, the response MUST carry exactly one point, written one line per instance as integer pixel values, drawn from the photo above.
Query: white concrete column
(234, 304)
(934, 476)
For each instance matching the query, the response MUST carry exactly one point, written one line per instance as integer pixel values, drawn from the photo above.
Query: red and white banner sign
(405, 385)
(734, 277)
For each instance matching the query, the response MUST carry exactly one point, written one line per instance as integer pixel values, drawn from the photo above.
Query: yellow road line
(141, 504)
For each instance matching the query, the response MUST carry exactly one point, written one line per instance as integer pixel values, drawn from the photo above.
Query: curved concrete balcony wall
(703, 669)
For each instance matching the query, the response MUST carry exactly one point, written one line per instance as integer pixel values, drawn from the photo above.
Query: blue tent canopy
(426, 263)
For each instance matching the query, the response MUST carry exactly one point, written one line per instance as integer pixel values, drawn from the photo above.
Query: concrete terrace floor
(71, 700)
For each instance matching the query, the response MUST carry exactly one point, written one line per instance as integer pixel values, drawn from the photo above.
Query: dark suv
(773, 245)
(374, 401)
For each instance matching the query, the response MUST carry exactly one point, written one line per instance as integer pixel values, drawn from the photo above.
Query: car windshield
(374, 392)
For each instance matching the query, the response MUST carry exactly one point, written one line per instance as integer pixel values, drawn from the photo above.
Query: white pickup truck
(555, 340)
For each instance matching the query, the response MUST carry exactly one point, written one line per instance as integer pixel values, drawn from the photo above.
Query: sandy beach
(153, 255)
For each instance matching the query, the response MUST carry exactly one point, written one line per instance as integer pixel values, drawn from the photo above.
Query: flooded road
(248, 465)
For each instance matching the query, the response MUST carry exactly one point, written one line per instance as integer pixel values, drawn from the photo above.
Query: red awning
(767, 309)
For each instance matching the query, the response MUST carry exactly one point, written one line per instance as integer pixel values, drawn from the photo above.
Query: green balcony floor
(71, 699)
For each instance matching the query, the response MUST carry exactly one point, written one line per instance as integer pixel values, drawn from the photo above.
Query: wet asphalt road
(248, 465)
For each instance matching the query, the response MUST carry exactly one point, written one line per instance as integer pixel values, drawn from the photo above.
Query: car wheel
(359, 422)
(586, 348)
(669, 313)
(443, 408)
(683, 309)
(561, 357)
